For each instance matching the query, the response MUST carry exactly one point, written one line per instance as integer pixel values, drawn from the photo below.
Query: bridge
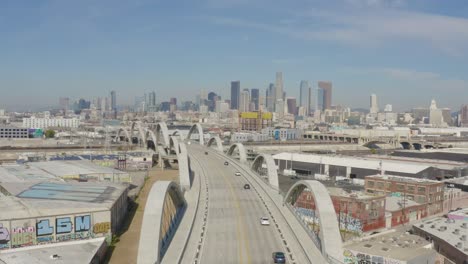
(207, 216)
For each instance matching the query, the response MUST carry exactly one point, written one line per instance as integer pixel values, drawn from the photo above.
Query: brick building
(427, 192)
(357, 212)
(403, 211)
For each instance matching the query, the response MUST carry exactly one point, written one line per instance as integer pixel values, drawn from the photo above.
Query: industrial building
(448, 236)
(359, 167)
(392, 247)
(13, 132)
(44, 123)
(53, 212)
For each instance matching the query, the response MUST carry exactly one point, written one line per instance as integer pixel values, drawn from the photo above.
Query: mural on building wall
(351, 257)
(4, 237)
(47, 230)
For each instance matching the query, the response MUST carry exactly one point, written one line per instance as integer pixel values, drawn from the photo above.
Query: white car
(264, 221)
(237, 174)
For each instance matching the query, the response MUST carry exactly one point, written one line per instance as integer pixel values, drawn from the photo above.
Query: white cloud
(371, 27)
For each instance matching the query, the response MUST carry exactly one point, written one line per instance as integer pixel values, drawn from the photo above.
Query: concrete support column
(348, 172)
(327, 169)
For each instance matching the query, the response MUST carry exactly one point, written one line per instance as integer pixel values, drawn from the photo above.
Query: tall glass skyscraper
(235, 94)
(113, 101)
(305, 96)
(254, 97)
(320, 104)
(327, 94)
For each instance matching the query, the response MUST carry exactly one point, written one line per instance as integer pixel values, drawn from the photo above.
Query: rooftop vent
(464, 225)
(456, 231)
(442, 228)
(421, 225)
(463, 238)
(54, 256)
(459, 245)
(368, 245)
(385, 249)
(432, 226)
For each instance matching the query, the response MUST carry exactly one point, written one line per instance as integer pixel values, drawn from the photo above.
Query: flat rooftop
(50, 198)
(402, 179)
(393, 204)
(355, 162)
(75, 252)
(460, 180)
(450, 230)
(395, 245)
(438, 163)
(52, 170)
(335, 191)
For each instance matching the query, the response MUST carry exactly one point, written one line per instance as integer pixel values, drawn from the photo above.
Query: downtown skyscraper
(279, 88)
(324, 95)
(305, 97)
(235, 94)
(255, 98)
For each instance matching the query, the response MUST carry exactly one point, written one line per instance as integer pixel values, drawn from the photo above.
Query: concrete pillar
(327, 169)
(348, 172)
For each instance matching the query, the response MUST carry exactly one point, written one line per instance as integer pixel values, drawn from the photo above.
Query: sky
(405, 51)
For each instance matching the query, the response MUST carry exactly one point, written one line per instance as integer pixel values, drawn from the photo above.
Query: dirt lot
(126, 250)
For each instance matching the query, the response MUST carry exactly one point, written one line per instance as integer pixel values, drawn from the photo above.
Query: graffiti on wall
(4, 237)
(47, 230)
(351, 257)
(23, 236)
(349, 223)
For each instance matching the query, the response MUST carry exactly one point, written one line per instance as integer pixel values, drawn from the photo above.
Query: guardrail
(311, 234)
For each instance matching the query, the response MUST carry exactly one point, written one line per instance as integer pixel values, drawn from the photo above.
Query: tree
(50, 133)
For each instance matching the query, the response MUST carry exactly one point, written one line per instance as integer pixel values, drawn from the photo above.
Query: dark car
(226, 163)
(206, 152)
(246, 186)
(279, 257)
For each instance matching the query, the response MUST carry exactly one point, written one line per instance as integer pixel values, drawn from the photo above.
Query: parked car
(246, 186)
(279, 257)
(206, 152)
(264, 221)
(237, 174)
(226, 163)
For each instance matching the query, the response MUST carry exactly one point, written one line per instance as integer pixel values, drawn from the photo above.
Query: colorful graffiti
(23, 236)
(362, 258)
(47, 230)
(4, 237)
(101, 227)
(349, 223)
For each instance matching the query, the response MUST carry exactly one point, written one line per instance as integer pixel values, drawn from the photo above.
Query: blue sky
(407, 52)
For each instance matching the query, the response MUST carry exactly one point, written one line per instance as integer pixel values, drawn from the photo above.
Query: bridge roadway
(234, 233)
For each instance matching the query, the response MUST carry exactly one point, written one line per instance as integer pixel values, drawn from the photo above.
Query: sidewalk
(126, 250)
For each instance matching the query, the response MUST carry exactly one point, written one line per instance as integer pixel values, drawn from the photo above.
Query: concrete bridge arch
(140, 133)
(271, 170)
(199, 129)
(163, 211)
(161, 128)
(242, 151)
(126, 135)
(219, 143)
(330, 241)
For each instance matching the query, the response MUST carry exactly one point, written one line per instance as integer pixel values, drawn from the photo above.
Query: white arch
(270, 166)
(127, 134)
(161, 127)
(151, 136)
(151, 240)
(141, 133)
(198, 127)
(184, 170)
(329, 229)
(242, 152)
(217, 140)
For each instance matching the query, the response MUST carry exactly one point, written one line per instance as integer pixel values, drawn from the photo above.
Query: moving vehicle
(226, 163)
(264, 221)
(237, 174)
(206, 152)
(279, 257)
(246, 186)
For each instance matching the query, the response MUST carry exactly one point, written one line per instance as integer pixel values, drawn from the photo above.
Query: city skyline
(358, 45)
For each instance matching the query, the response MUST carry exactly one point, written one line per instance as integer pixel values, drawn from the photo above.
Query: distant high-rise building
(435, 115)
(255, 98)
(305, 96)
(173, 101)
(292, 108)
(64, 103)
(374, 108)
(235, 94)
(327, 94)
(279, 86)
(165, 106)
(320, 103)
(244, 101)
(463, 122)
(211, 102)
(270, 98)
(113, 104)
(151, 104)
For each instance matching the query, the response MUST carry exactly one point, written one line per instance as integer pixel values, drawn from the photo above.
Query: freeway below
(233, 231)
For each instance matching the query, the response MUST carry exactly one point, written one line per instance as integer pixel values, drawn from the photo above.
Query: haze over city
(86, 48)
